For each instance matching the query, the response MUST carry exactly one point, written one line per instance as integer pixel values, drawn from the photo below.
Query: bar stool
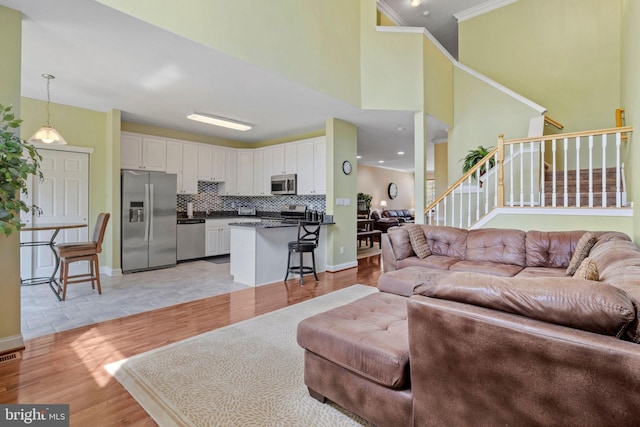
(84, 251)
(308, 237)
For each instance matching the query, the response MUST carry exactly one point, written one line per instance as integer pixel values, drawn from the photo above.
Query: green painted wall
(83, 128)
(563, 54)
(481, 114)
(391, 64)
(631, 102)
(438, 82)
(10, 46)
(342, 143)
(562, 223)
(314, 43)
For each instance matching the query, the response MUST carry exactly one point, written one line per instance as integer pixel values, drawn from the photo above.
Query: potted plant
(18, 160)
(364, 202)
(474, 156)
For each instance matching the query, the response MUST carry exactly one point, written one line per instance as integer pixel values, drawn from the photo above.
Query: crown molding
(481, 9)
(391, 14)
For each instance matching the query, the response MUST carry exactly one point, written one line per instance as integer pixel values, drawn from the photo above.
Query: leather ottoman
(357, 355)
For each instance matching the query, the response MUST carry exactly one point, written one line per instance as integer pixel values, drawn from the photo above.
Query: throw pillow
(418, 241)
(588, 270)
(583, 247)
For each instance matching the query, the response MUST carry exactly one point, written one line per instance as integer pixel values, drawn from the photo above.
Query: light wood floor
(67, 367)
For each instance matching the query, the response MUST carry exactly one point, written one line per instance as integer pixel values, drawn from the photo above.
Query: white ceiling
(103, 59)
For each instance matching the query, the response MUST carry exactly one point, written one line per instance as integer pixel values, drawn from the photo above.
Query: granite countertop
(229, 214)
(268, 223)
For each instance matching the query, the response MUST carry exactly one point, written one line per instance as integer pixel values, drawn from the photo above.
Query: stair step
(584, 186)
(584, 199)
(584, 173)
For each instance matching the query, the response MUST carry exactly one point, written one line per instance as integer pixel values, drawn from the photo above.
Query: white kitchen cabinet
(285, 159)
(244, 183)
(182, 160)
(211, 163)
(229, 188)
(189, 169)
(143, 152)
(218, 236)
(312, 167)
(262, 172)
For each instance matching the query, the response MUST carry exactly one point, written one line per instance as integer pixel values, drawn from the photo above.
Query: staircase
(581, 193)
(522, 179)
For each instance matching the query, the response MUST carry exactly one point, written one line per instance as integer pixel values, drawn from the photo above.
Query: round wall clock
(346, 167)
(392, 190)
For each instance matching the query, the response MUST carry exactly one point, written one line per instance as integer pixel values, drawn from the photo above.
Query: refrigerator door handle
(152, 213)
(146, 212)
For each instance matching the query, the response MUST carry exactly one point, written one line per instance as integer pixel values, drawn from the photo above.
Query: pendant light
(47, 134)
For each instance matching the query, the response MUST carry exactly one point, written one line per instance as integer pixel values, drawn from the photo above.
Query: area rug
(246, 374)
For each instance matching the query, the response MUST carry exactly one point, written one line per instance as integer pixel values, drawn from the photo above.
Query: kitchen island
(259, 251)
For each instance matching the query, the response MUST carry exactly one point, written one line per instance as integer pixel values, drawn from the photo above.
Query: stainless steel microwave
(284, 184)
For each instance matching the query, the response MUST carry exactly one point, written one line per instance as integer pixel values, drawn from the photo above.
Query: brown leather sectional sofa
(488, 330)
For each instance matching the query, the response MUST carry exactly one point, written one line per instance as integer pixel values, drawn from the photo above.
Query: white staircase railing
(541, 171)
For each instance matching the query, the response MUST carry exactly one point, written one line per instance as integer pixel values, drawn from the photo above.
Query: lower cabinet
(218, 241)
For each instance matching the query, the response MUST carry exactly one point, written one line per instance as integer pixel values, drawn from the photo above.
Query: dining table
(51, 243)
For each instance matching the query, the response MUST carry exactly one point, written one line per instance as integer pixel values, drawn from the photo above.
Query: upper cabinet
(311, 167)
(240, 172)
(285, 159)
(143, 152)
(211, 165)
(244, 173)
(182, 160)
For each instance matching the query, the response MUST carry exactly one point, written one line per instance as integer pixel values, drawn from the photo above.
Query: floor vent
(9, 357)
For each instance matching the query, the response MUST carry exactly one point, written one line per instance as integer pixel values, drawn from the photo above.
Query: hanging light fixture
(47, 134)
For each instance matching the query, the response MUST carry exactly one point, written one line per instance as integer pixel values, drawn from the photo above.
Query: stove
(293, 213)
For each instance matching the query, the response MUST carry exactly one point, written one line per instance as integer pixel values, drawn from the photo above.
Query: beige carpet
(246, 374)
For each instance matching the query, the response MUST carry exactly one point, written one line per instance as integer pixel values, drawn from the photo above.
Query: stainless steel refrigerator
(148, 220)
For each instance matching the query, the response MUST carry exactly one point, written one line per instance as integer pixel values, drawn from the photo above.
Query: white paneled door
(63, 196)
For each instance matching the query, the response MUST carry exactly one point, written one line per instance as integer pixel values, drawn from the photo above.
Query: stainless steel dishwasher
(191, 238)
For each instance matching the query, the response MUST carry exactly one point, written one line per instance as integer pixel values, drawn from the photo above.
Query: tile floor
(43, 314)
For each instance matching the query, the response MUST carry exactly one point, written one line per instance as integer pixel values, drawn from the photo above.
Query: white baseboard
(339, 267)
(111, 271)
(11, 343)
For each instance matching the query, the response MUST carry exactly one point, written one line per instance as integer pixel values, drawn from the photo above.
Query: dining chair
(82, 251)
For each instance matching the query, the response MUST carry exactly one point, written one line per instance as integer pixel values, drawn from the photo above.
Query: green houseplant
(364, 202)
(18, 160)
(474, 156)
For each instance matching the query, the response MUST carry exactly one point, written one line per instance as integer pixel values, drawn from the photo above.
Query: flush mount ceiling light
(415, 3)
(47, 134)
(220, 121)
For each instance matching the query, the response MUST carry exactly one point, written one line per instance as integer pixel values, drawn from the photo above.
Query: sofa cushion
(418, 241)
(542, 272)
(581, 304)
(588, 270)
(551, 248)
(618, 261)
(406, 280)
(399, 237)
(446, 241)
(487, 267)
(368, 336)
(583, 247)
(434, 261)
(496, 245)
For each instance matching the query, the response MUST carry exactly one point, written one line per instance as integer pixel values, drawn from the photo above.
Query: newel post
(500, 171)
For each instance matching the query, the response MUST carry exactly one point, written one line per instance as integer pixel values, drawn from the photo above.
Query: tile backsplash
(208, 199)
